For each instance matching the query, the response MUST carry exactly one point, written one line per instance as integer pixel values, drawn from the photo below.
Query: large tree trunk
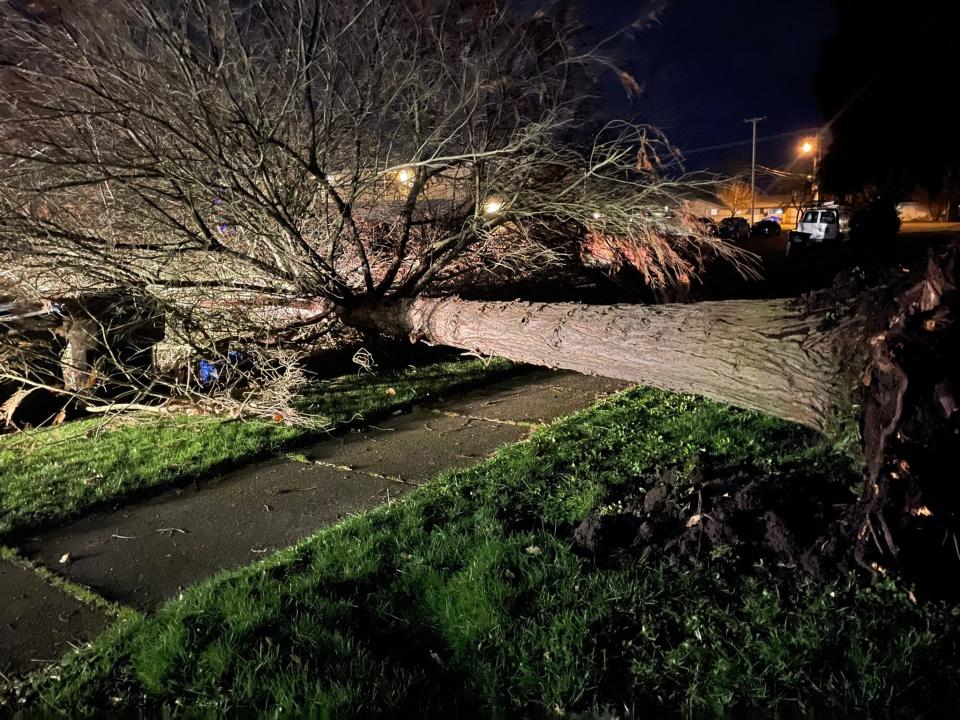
(881, 353)
(774, 356)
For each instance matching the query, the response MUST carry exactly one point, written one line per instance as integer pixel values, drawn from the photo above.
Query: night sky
(708, 64)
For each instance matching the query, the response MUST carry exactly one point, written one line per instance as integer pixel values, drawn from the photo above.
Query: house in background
(782, 207)
(914, 211)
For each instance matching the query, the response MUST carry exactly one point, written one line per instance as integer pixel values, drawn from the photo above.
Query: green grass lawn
(466, 598)
(53, 474)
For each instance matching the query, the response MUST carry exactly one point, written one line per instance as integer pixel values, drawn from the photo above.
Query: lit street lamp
(812, 147)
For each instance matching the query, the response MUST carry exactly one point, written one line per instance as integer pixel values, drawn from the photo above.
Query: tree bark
(773, 356)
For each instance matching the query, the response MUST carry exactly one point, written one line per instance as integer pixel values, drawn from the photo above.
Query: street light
(812, 147)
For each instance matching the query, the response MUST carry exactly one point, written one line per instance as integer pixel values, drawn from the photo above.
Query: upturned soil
(742, 513)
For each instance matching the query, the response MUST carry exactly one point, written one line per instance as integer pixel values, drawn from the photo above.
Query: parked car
(825, 223)
(767, 228)
(709, 226)
(734, 228)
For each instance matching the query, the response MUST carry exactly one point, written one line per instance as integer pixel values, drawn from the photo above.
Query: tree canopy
(250, 169)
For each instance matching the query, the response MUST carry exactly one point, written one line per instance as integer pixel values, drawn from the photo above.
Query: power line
(779, 172)
(738, 143)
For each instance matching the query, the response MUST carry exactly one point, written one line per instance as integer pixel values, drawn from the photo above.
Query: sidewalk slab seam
(39, 621)
(81, 593)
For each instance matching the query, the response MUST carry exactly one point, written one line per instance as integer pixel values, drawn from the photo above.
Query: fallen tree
(269, 173)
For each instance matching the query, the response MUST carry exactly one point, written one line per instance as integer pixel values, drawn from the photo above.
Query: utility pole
(753, 167)
(816, 167)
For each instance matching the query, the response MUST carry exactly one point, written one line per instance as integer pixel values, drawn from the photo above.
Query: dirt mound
(740, 512)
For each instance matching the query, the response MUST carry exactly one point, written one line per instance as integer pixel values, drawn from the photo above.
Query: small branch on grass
(127, 407)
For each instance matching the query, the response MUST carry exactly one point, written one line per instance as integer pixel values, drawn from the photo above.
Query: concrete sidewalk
(147, 552)
(39, 622)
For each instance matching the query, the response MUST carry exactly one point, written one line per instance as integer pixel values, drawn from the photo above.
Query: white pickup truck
(817, 225)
